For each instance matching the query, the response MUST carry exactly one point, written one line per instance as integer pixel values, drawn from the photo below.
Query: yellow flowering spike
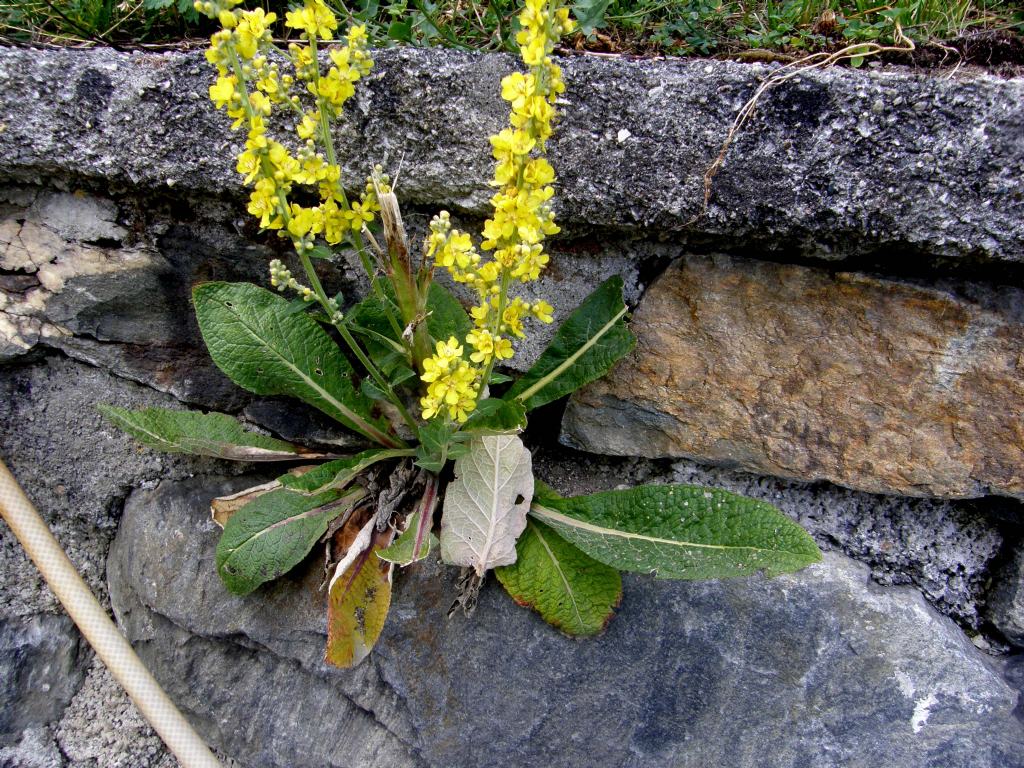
(521, 219)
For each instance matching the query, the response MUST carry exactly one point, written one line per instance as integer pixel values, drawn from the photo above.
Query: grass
(672, 27)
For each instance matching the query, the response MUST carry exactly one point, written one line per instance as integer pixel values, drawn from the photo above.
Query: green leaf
(435, 445)
(447, 316)
(485, 506)
(335, 475)
(369, 321)
(202, 434)
(590, 14)
(680, 532)
(359, 597)
(418, 539)
(400, 31)
(584, 348)
(320, 252)
(496, 416)
(569, 589)
(261, 346)
(273, 533)
(499, 378)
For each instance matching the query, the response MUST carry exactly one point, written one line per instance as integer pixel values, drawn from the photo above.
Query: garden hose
(98, 629)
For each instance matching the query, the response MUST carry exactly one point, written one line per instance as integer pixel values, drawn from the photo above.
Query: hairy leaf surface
(496, 416)
(223, 507)
(272, 533)
(261, 346)
(569, 589)
(203, 434)
(359, 597)
(680, 532)
(485, 505)
(584, 348)
(338, 473)
(447, 316)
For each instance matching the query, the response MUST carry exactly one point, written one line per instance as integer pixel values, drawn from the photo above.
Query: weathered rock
(35, 749)
(1006, 605)
(270, 673)
(820, 667)
(87, 289)
(75, 466)
(831, 166)
(792, 371)
(102, 728)
(39, 672)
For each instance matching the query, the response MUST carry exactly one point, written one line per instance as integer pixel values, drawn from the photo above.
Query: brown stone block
(873, 384)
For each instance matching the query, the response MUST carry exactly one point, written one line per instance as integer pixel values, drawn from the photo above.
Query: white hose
(110, 645)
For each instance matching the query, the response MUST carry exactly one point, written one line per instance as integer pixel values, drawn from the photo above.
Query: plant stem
(355, 238)
(314, 281)
(353, 345)
(502, 300)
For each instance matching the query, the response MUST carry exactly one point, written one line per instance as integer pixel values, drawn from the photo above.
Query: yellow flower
(483, 343)
(263, 202)
(542, 311)
(248, 165)
(251, 31)
(222, 93)
(517, 88)
(308, 127)
(315, 19)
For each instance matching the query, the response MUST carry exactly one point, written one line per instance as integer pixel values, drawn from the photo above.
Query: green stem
(356, 238)
(350, 340)
(502, 301)
(314, 280)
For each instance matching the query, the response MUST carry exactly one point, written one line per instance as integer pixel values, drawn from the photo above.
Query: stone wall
(842, 334)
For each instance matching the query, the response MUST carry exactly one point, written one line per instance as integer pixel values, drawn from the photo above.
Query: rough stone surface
(824, 667)
(35, 749)
(888, 164)
(75, 466)
(270, 672)
(39, 672)
(1006, 605)
(792, 371)
(119, 194)
(76, 281)
(102, 728)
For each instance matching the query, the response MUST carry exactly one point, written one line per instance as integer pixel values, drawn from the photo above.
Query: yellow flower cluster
(249, 86)
(522, 215)
(452, 384)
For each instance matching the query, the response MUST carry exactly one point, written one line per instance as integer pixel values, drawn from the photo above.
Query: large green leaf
(368, 320)
(447, 316)
(584, 348)
(571, 590)
(679, 532)
(262, 346)
(204, 434)
(271, 534)
(336, 474)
